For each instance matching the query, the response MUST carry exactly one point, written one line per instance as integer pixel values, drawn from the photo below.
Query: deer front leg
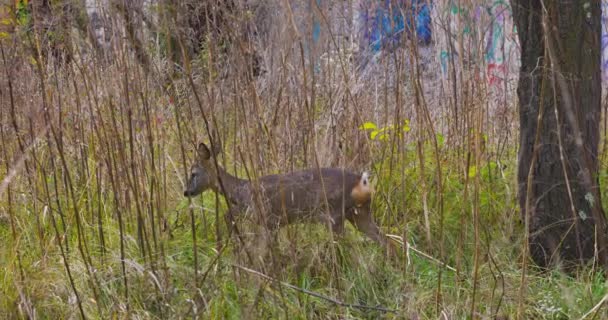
(336, 222)
(333, 220)
(361, 218)
(230, 219)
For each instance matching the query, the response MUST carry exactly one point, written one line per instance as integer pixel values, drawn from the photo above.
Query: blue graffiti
(604, 55)
(423, 24)
(316, 26)
(392, 19)
(605, 40)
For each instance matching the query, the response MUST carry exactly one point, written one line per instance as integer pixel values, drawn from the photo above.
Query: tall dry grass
(95, 154)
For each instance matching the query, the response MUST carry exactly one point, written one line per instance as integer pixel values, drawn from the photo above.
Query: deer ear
(203, 151)
(216, 146)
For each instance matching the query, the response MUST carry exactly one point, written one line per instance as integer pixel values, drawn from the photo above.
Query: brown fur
(326, 195)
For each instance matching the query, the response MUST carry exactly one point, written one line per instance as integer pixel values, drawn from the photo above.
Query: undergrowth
(366, 282)
(94, 155)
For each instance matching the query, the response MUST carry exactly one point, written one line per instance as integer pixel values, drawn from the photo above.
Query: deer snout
(198, 182)
(193, 189)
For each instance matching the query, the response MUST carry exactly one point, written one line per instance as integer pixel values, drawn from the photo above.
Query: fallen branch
(312, 293)
(423, 254)
(595, 308)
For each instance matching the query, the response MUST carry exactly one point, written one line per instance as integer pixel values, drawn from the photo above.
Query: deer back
(309, 192)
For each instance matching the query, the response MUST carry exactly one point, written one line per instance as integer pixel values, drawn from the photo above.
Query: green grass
(118, 174)
(352, 269)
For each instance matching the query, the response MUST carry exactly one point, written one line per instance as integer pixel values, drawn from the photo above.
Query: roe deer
(327, 195)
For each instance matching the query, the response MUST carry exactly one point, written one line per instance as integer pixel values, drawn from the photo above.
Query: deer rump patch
(362, 191)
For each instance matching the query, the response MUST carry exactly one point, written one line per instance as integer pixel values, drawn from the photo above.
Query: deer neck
(235, 190)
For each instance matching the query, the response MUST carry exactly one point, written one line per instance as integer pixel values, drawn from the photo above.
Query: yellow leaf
(472, 171)
(406, 126)
(368, 126)
(373, 134)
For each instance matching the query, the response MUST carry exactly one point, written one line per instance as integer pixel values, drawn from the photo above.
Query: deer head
(202, 173)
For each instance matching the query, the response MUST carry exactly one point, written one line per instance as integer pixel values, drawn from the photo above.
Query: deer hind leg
(361, 218)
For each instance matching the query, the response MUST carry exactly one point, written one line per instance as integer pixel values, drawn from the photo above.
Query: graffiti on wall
(494, 24)
(487, 31)
(499, 41)
(385, 22)
(604, 41)
(491, 24)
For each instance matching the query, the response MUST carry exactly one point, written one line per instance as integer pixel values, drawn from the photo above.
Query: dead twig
(314, 294)
(408, 247)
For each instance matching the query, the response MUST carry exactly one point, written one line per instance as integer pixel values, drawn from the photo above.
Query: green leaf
(440, 140)
(406, 125)
(486, 170)
(368, 126)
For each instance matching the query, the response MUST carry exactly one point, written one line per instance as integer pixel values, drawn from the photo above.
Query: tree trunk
(561, 71)
(52, 24)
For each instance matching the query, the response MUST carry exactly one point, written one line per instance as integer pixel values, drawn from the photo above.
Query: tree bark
(51, 22)
(560, 68)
